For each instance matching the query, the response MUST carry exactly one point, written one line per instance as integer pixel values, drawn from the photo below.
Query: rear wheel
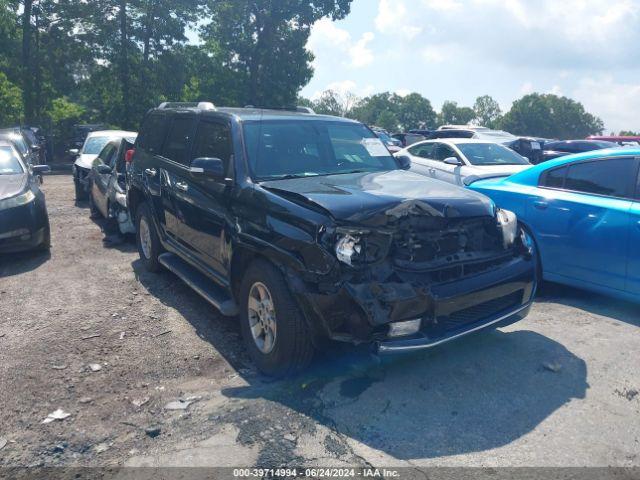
(149, 246)
(273, 327)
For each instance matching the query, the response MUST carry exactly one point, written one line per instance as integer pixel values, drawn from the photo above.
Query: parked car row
(308, 229)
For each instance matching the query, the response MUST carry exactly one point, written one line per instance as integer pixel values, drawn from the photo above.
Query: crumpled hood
(85, 161)
(12, 185)
(376, 198)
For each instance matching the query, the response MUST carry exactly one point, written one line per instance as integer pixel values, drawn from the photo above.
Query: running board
(203, 285)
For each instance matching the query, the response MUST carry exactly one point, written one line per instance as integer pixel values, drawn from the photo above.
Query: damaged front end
(422, 276)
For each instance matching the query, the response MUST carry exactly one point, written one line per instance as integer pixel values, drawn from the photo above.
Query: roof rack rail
(198, 105)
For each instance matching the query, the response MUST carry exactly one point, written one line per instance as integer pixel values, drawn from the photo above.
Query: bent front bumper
(424, 342)
(363, 313)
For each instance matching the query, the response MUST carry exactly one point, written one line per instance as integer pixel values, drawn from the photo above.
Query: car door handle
(183, 187)
(151, 172)
(540, 205)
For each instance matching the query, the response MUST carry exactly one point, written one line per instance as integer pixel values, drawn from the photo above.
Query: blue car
(583, 211)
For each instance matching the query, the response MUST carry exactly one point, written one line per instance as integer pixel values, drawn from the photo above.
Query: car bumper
(24, 227)
(364, 313)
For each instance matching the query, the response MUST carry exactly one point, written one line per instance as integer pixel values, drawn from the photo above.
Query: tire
(150, 247)
(291, 348)
(81, 193)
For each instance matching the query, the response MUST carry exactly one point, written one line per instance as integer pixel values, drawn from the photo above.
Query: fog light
(403, 329)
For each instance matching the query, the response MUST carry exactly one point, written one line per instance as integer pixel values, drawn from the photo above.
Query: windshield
(9, 162)
(94, 145)
(490, 154)
(285, 149)
(494, 135)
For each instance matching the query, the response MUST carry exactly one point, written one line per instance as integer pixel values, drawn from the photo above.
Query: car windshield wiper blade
(286, 177)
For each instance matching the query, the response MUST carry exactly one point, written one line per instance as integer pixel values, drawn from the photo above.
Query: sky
(588, 50)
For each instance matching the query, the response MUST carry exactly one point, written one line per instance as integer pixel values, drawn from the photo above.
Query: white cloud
(343, 87)
(393, 19)
(617, 104)
(443, 5)
(526, 88)
(403, 92)
(433, 54)
(326, 37)
(556, 90)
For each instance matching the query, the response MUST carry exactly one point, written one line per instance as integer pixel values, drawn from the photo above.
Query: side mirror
(404, 162)
(208, 167)
(452, 161)
(74, 152)
(40, 169)
(103, 169)
(36, 148)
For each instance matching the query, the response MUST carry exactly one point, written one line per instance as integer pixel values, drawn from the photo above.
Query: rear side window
(178, 141)
(152, 133)
(213, 140)
(554, 178)
(442, 152)
(602, 177)
(423, 151)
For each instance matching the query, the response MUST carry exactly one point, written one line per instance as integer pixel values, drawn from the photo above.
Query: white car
(92, 146)
(463, 160)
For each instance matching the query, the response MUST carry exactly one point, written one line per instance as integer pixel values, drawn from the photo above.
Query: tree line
(109, 61)
(540, 115)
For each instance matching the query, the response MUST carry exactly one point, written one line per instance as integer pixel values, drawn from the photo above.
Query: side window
(602, 177)
(153, 132)
(423, 151)
(105, 154)
(213, 140)
(553, 178)
(444, 151)
(176, 147)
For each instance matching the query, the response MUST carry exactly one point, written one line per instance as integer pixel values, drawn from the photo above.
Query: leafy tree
(369, 109)
(487, 111)
(629, 133)
(415, 111)
(334, 103)
(387, 120)
(551, 116)
(263, 44)
(10, 101)
(451, 114)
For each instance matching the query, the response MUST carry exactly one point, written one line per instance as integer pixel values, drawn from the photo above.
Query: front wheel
(273, 327)
(149, 246)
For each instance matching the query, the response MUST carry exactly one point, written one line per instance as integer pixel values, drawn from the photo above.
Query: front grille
(471, 315)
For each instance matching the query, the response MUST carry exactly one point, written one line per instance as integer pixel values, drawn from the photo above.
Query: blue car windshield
(288, 149)
(10, 164)
(490, 154)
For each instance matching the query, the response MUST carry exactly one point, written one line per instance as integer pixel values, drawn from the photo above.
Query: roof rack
(198, 105)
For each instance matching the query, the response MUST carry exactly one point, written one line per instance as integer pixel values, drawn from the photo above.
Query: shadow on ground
(479, 393)
(23, 262)
(590, 302)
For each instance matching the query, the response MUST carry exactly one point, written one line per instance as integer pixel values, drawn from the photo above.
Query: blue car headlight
(17, 201)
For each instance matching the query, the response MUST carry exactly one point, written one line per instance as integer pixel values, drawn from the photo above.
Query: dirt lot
(560, 388)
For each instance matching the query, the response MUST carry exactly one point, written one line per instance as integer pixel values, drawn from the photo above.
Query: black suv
(308, 229)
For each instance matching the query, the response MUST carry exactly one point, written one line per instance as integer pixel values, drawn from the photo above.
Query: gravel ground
(558, 389)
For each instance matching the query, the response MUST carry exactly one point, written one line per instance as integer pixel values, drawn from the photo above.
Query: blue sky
(460, 49)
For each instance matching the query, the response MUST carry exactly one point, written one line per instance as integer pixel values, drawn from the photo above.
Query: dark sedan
(562, 148)
(24, 222)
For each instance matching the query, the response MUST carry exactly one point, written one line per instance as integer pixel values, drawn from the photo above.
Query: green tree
(452, 114)
(369, 109)
(550, 116)
(10, 102)
(415, 111)
(263, 44)
(334, 103)
(487, 112)
(387, 120)
(629, 133)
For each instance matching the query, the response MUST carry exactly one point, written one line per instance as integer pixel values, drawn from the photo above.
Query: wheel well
(134, 198)
(242, 258)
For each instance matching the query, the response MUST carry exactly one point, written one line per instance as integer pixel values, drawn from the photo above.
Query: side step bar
(203, 285)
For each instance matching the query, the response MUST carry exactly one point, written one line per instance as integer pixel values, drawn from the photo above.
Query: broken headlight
(348, 248)
(508, 223)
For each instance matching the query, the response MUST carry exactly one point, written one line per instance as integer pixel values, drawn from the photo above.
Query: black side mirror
(404, 162)
(104, 169)
(208, 167)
